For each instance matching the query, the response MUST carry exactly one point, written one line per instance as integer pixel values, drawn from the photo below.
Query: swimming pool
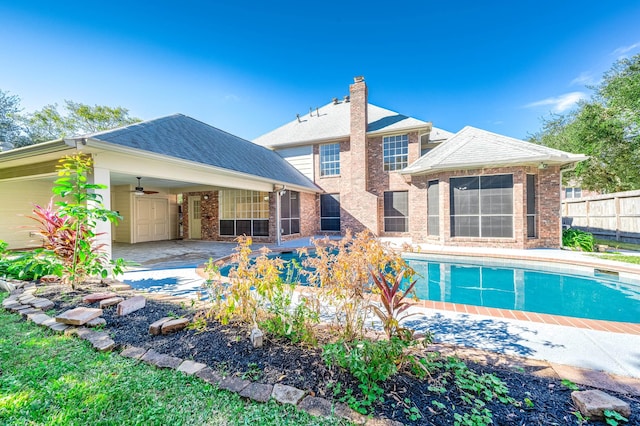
(520, 287)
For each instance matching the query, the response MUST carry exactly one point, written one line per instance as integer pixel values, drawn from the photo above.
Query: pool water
(530, 290)
(519, 288)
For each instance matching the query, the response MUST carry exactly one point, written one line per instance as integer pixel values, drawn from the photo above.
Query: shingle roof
(439, 135)
(188, 139)
(333, 121)
(472, 147)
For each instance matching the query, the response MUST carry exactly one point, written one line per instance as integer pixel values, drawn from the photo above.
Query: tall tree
(78, 119)
(9, 125)
(607, 128)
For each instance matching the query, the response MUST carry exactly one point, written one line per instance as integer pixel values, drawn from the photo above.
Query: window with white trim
(395, 152)
(330, 159)
(573, 192)
(433, 207)
(244, 212)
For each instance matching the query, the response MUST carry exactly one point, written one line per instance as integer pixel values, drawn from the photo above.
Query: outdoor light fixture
(542, 166)
(206, 197)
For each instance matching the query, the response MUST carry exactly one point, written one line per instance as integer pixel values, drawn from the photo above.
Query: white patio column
(102, 176)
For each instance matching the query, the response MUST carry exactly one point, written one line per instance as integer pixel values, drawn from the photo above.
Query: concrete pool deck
(169, 268)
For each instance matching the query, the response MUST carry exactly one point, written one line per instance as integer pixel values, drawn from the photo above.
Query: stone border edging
(255, 391)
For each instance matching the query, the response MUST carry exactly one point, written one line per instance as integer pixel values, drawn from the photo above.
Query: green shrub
(577, 239)
(27, 265)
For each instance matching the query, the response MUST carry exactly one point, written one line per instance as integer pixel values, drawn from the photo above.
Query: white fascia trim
(90, 142)
(33, 150)
(426, 127)
(551, 160)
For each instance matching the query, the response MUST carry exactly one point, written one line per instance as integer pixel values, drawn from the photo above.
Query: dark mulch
(227, 348)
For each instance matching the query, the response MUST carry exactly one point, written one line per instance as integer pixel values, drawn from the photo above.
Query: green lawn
(618, 244)
(620, 257)
(48, 379)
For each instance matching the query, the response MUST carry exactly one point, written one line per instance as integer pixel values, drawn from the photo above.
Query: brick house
(399, 176)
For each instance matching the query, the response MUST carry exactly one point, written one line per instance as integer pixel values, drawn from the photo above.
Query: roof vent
(298, 117)
(358, 79)
(310, 112)
(335, 101)
(347, 98)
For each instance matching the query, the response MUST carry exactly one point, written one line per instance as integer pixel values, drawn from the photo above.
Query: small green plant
(254, 373)
(198, 323)
(577, 239)
(371, 363)
(613, 418)
(580, 418)
(569, 385)
(411, 411)
(528, 403)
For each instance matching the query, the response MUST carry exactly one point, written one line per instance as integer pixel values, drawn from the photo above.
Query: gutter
(35, 149)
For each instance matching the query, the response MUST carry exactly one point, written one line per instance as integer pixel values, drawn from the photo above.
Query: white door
(152, 219)
(195, 218)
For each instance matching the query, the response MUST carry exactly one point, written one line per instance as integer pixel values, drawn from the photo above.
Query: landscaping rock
(41, 303)
(257, 391)
(161, 360)
(19, 307)
(7, 286)
(343, 411)
(209, 375)
(593, 403)
(131, 305)
(97, 297)
(190, 367)
(256, 337)
(54, 325)
(133, 352)
(316, 406)
(26, 312)
(174, 325)
(38, 318)
(110, 302)
(287, 394)
(100, 341)
(81, 332)
(233, 384)
(119, 287)
(383, 422)
(78, 316)
(96, 322)
(156, 327)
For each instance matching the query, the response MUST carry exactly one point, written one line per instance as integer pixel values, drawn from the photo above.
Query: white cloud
(559, 103)
(625, 49)
(584, 78)
(231, 98)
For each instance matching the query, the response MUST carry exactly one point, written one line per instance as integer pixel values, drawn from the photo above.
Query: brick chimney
(358, 139)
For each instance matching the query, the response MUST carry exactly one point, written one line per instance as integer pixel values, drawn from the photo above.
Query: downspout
(279, 191)
(562, 170)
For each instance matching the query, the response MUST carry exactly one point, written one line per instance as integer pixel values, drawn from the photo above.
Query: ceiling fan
(139, 190)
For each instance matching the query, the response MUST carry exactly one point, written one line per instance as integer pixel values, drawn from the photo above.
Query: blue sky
(249, 67)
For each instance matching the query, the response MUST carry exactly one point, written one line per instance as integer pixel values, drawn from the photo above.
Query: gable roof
(186, 138)
(472, 148)
(333, 121)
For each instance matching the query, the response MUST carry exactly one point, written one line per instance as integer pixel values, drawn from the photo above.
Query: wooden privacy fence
(611, 216)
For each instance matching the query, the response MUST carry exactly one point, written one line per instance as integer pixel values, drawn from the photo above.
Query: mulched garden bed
(227, 348)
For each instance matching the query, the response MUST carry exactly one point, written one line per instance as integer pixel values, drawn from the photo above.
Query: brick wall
(547, 200)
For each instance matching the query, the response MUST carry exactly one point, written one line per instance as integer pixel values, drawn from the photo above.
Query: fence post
(618, 219)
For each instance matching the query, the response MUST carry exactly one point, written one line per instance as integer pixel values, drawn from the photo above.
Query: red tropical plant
(394, 302)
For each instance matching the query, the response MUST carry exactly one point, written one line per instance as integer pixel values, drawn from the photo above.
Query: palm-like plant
(394, 302)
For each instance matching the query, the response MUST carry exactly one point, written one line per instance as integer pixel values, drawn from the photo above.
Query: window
(290, 213)
(330, 159)
(433, 208)
(482, 206)
(531, 206)
(244, 212)
(396, 211)
(395, 152)
(573, 192)
(330, 212)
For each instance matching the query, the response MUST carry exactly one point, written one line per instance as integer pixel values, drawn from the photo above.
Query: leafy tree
(9, 126)
(78, 119)
(607, 128)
